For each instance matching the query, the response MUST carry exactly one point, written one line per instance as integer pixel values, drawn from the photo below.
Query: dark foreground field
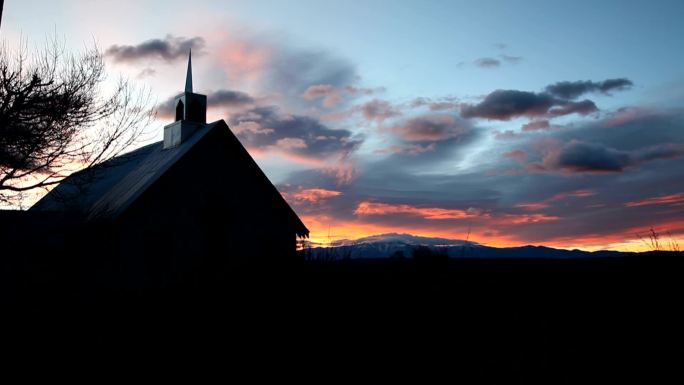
(483, 321)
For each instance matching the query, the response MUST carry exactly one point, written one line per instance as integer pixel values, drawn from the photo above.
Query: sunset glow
(499, 123)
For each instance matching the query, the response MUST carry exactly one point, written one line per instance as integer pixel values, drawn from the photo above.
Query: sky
(530, 122)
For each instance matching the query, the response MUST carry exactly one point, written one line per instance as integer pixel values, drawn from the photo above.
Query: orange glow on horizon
(325, 230)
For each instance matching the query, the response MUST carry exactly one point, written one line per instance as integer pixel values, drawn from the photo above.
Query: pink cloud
(674, 199)
(516, 154)
(327, 92)
(536, 125)
(429, 127)
(291, 143)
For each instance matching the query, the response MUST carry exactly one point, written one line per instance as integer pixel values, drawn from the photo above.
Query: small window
(179, 110)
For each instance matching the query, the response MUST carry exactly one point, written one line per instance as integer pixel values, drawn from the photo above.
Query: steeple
(188, 76)
(191, 113)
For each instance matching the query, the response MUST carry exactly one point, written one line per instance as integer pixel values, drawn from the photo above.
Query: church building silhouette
(191, 203)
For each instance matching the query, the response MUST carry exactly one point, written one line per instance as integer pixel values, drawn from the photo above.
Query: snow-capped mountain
(404, 245)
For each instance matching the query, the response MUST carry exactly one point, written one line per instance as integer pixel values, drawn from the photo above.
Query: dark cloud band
(168, 49)
(573, 90)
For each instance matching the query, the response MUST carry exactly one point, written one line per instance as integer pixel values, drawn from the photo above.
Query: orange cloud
(370, 208)
(517, 219)
(577, 194)
(532, 206)
(676, 199)
(557, 197)
(312, 195)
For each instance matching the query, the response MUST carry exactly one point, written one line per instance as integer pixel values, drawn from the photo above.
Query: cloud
(378, 110)
(327, 92)
(252, 128)
(507, 134)
(429, 128)
(487, 62)
(408, 149)
(578, 157)
(296, 134)
(542, 124)
(363, 91)
(584, 107)
(145, 73)
(332, 95)
(573, 90)
(216, 99)
(169, 49)
(511, 59)
(291, 143)
(371, 208)
(509, 104)
(671, 199)
(581, 193)
(556, 100)
(578, 197)
(292, 71)
(229, 98)
(267, 64)
(662, 151)
(313, 195)
(437, 213)
(440, 104)
(516, 154)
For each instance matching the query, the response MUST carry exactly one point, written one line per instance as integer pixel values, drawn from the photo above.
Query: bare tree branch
(56, 118)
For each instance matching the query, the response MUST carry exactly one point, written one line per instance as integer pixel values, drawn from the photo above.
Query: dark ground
(480, 321)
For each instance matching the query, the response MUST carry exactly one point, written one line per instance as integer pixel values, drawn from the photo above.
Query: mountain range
(404, 245)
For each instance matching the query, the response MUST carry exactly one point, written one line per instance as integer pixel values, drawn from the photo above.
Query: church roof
(106, 191)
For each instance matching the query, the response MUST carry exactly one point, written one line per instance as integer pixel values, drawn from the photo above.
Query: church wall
(208, 211)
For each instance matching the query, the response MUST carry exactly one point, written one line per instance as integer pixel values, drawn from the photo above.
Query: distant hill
(398, 245)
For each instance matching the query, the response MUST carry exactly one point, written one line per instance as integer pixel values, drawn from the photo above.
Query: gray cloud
(220, 98)
(440, 104)
(583, 107)
(573, 90)
(263, 127)
(508, 104)
(229, 98)
(429, 128)
(487, 62)
(169, 49)
(511, 59)
(579, 157)
(542, 124)
(292, 71)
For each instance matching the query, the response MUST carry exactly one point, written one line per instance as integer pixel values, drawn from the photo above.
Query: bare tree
(56, 116)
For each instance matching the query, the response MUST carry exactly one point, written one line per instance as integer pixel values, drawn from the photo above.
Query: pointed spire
(188, 78)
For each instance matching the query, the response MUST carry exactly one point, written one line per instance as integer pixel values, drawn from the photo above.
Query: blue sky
(375, 116)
